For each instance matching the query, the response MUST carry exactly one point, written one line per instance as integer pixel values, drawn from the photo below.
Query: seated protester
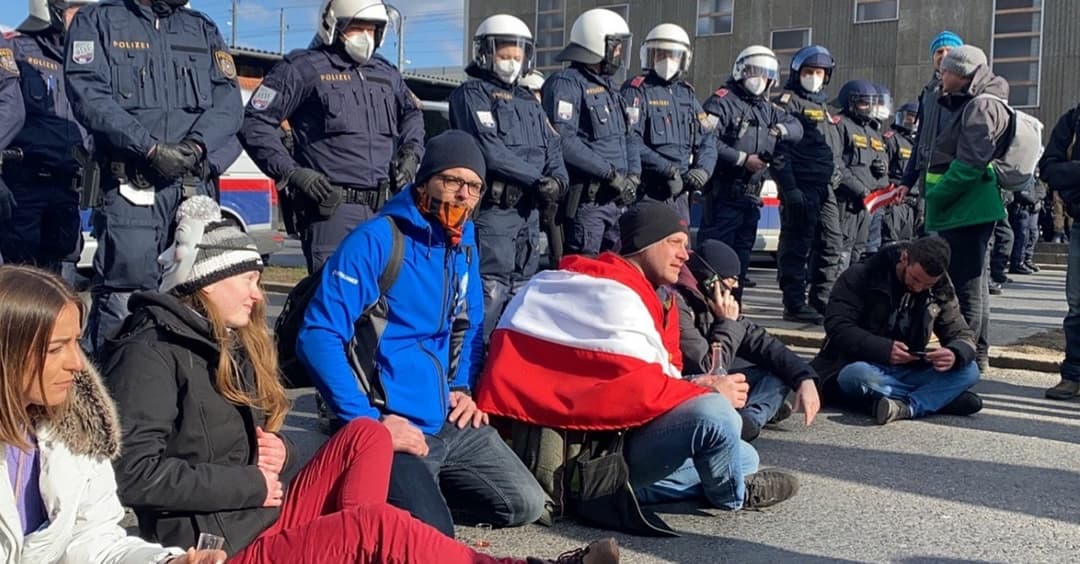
(428, 352)
(709, 316)
(592, 347)
(62, 505)
(195, 380)
(878, 324)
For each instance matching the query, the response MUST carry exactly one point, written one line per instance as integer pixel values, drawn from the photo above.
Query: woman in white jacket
(60, 430)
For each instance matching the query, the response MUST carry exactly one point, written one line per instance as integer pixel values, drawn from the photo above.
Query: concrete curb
(1000, 357)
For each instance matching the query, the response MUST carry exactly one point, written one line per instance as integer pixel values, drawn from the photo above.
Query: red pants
(335, 512)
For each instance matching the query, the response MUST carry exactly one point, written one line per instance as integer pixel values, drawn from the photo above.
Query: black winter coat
(1059, 167)
(188, 462)
(860, 311)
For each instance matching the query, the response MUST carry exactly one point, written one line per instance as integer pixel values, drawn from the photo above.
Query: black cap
(451, 149)
(646, 224)
(721, 258)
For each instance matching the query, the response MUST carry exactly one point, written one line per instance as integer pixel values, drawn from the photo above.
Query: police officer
(676, 138)
(899, 221)
(525, 165)
(155, 85)
(749, 127)
(359, 130)
(863, 163)
(47, 228)
(810, 236)
(590, 117)
(12, 116)
(881, 119)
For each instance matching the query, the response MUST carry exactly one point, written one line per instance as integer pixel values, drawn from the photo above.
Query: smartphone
(921, 355)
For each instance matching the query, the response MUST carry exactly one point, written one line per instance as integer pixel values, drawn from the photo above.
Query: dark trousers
(1025, 226)
(897, 223)
(734, 223)
(767, 393)
(874, 232)
(469, 476)
(1000, 250)
(827, 253)
(45, 227)
(509, 241)
(799, 239)
(855, 225)
(594, 229)
(320, 238)
(1070, 367)
(680, 203)
(968, 272)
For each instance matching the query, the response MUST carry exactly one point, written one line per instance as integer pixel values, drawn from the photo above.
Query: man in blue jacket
(429, 347)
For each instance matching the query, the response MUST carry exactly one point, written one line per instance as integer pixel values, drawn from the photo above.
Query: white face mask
(360, 47)
(756, 85)
(508, 70)
(667, 68)
(812, 83)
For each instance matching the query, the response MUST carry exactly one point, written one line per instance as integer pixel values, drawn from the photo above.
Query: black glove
(404, 166)
(675, 184)
(879, 168)
(793, 207)
(172, 160)
(549, 189)
(697, 178)
(318, 188)
(7, 203)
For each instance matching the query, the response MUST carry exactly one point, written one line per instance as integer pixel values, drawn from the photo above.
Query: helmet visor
(864, 104)
(492, 48)
(617, 50)
(750, 71)
(656, 53)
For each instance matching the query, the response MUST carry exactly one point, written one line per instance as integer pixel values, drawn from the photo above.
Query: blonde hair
(31, 300)
(268, 395)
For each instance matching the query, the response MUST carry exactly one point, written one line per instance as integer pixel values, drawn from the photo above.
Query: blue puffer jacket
(437, 285)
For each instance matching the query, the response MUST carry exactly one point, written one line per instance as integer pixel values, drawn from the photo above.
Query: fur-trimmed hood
(89, 424)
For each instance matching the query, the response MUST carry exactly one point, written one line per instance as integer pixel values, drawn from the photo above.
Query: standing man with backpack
(411, 361)
(962, 188)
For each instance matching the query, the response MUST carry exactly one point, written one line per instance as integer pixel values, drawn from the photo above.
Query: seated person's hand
(272, 451)
(463, 411)
(723, 303)
(275, 492)
(732, 386)
(199, 557)
(405, 436)
(941, 359)
(900, 354)
(807, 400)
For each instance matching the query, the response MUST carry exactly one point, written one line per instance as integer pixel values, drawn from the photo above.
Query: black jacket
(744, 339)
(1059, 167)
(858, 319)
(187, 464)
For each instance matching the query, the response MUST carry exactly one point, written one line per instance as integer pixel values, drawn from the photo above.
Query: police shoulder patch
(564, 110)
(263, 97)
(486, 119)
(225, 64)
(721, 92)
(82, 52)
(7, 62)
(785, 99)
(638, 81)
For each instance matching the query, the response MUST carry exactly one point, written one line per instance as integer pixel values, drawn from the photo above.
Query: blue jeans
(924, 389)
(690, 451)
(767, 393)
(1070, 368)
(470, 474)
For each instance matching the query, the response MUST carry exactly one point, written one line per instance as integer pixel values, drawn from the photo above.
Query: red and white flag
(588, 347)
(882, 197)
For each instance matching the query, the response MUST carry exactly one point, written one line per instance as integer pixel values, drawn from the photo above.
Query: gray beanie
(963, 60)
(205, 249)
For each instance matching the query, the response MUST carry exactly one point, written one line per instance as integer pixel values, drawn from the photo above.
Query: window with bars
(786, 42)
(1016, 51)
(715, 17)
(550, 27)
(867, 11)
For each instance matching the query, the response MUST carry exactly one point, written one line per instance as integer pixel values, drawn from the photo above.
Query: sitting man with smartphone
(878, 324)
(718, 342)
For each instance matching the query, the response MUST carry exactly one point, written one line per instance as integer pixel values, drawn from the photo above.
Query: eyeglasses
(455, 183)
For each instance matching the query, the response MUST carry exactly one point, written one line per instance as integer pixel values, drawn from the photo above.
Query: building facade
(1035, 44)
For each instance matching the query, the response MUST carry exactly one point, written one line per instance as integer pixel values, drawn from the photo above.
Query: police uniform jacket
(135, 79)
(862, 144)
(810, 161)
(348, 119)
(12, 111)
(519, 143)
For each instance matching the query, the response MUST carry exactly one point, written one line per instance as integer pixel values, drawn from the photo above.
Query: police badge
(262, 98)
(7, 62)
(82, 52)
(225, 64)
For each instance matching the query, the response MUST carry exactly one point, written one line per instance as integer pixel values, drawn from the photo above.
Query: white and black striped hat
(205, 249)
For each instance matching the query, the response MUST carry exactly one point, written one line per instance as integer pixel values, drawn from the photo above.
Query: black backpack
(287, 327)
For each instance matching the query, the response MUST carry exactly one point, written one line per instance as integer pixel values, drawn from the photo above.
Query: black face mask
(164, 8)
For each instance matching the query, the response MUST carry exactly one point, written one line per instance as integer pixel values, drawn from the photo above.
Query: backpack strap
(397, 253)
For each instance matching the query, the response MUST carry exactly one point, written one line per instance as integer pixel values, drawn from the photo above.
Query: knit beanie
(205, 249)
(451, 149)
(963, 60)
(945, 39)
(722, 258)
(646, 224)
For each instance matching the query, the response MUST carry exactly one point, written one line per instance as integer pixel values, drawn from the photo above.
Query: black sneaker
(967, 403)
(605, 551)
(750, 429)
(803, 314)
(995, 289)
(785, 411)
(748, 283)
(1021, 269)
(888, 410)
(1032, 266)
(766, 488)
(1065, 389)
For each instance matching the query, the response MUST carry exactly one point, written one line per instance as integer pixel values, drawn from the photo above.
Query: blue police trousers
(509, 241)
(45, 229)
